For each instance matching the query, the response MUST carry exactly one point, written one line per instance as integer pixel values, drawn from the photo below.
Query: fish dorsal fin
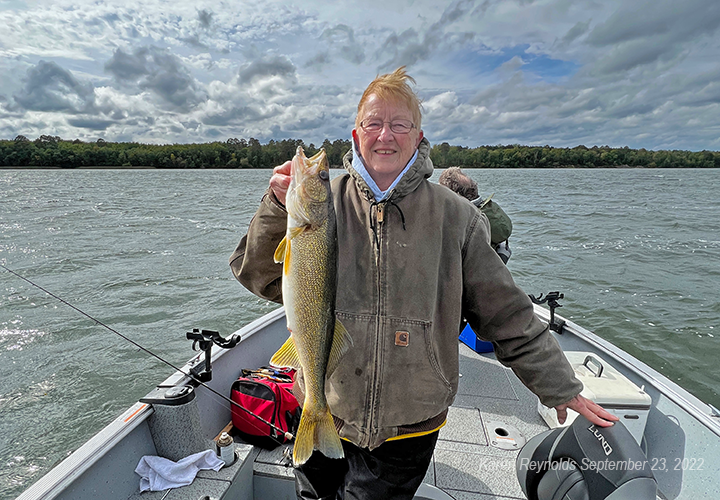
(342, 342)
(286, 356)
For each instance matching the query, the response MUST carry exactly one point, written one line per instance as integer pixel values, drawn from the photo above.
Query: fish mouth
(310, 166)
(310, 181)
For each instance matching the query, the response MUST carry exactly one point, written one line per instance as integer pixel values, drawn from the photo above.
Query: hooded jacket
(409, 269)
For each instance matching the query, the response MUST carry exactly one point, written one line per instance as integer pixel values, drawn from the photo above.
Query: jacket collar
(420, 170)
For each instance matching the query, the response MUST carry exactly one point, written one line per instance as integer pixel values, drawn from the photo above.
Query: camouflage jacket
(409, 269)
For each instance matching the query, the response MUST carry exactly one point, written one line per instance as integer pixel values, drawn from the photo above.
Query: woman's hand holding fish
(280, 181)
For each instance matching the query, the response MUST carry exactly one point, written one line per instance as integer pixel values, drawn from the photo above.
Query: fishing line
(287, 435)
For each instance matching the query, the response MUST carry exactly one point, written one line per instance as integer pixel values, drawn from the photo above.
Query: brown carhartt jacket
(409, 269)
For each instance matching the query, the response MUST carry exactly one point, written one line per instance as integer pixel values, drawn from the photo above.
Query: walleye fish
(309, 282)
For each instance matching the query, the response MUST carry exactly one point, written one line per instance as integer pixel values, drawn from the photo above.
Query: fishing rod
(288, 436)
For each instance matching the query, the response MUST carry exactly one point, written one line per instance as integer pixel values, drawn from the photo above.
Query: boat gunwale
(82, 459)
(679, 396)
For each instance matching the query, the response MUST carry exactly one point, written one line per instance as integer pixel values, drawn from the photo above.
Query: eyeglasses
(374, 125)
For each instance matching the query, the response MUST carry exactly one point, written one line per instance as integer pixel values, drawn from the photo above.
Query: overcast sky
(637, 73)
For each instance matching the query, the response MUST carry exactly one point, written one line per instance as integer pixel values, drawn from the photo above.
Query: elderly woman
(414, 259)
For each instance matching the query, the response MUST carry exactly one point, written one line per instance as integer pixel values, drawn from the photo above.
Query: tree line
(49, 151)
(516, 156)
(52, 151)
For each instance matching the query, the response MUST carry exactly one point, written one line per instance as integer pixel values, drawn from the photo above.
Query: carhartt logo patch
(402, 338)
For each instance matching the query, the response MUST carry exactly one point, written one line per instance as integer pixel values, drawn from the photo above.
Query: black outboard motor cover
(585, 462)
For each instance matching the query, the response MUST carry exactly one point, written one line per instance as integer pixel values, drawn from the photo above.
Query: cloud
(202, 36)
(159, 71)
(129, 67)
(267, 100)
(205, 18)
(512, 65)
(702, 90)
(90, 123)
(342, 39)
(319, 60)
(274, 66)
(642, 34)
(48, 87)
(657, 19)
(239, 114)
(408, 48)
(576, 32)
(631, 55)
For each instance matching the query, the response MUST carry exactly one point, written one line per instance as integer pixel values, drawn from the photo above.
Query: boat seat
(585, 462)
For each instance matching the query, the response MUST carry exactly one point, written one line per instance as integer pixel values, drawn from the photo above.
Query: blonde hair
(393, 87)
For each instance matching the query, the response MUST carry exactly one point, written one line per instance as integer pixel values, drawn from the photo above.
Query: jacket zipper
(379, 218)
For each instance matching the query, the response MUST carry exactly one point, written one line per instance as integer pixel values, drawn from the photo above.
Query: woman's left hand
(595, 413)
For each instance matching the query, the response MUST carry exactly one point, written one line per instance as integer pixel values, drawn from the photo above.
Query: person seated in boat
(413, 260)
(500, 224)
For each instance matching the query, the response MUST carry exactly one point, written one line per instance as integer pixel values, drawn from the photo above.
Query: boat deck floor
(492, 408)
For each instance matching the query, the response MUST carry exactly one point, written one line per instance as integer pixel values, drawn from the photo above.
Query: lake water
(635, 251)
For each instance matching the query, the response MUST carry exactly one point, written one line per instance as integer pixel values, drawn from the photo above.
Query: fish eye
(324, 175)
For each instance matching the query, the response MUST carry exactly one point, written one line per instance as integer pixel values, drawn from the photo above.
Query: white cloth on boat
(158, 473)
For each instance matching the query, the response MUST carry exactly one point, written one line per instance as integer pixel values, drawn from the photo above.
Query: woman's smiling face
(385, 154)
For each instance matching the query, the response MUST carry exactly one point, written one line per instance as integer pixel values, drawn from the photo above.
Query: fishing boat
(493, 426)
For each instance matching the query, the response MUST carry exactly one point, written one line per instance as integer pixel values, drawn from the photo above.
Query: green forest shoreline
(54, 152)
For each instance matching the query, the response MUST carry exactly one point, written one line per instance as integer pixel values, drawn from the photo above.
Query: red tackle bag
(266, 392)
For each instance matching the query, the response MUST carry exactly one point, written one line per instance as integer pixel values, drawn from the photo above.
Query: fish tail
(316, 432)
